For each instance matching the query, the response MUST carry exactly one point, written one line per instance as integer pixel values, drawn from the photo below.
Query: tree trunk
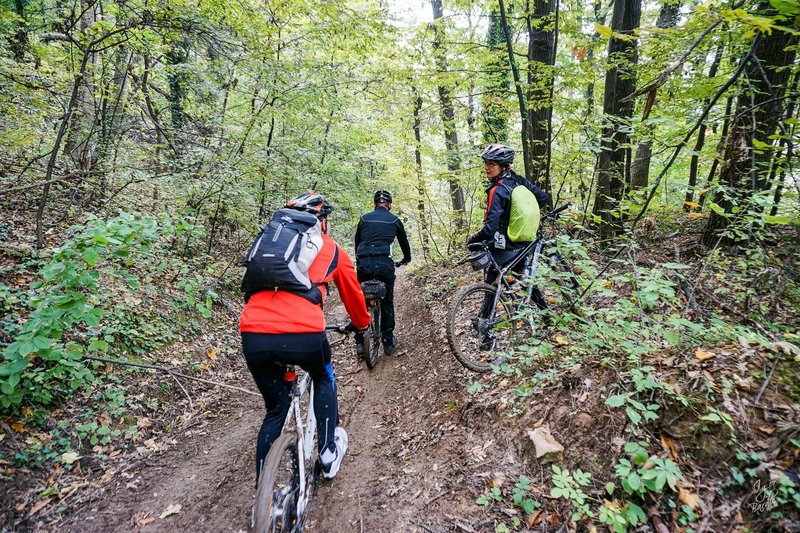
(599, 18)
(701, 138)
(640, 169)
(781, 165)
(178, 77)
(541, 25)
(448, 119)
(19, 41)
(62, 130)
(78, 146)
(620, 82)
(495, 112)
(423, 218)
(759, 111)
(726, 124)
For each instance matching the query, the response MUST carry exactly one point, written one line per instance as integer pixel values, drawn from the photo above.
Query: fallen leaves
(69, 457)
(175, 508)
(702, 355)
(38, 506)
(689, 498)
(786, 347)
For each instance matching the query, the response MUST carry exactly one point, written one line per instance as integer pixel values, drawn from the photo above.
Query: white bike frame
(305, 435)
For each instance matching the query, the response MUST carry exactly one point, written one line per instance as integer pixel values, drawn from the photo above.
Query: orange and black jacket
(498, 204)
(286, 312)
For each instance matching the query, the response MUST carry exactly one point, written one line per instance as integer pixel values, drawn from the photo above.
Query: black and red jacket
(287, 312)
(498, 204)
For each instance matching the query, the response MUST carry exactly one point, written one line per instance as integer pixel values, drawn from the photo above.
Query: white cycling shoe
(332, 460)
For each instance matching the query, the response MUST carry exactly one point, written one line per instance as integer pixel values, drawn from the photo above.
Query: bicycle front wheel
(278, 488)
(478, 334)
(372, 338)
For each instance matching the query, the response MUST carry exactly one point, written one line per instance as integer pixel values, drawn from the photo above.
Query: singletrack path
(404, 469)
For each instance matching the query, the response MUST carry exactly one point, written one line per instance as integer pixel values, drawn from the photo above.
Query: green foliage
(570, 487)
(86, 303)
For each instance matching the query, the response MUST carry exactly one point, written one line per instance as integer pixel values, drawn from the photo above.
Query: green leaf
(91, 257)
(781, 220)
(616, 401)
(13, 367)
(98, 346)
(633, 415)
(604, 31)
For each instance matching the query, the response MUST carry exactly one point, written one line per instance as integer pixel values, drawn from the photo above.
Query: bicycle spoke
(478, 336)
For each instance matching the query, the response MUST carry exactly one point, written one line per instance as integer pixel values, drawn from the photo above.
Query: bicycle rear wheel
(556, 294)
(372, 338)
(278, 490)
(478, 335)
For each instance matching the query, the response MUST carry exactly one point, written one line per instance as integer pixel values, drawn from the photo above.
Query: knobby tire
(466, 328)
(277, 512)
(372, 338)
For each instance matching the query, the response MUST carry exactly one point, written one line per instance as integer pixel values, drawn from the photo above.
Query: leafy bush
(88, 301)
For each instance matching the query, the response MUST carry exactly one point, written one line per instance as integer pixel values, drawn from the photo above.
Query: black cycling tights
(265, 355)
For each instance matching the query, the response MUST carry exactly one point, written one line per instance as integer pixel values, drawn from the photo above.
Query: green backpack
(523, 220)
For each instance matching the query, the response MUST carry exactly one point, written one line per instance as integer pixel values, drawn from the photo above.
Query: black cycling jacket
(375, 233)
(498, 205)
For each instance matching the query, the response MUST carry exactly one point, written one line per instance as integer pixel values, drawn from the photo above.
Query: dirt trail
(402, 471)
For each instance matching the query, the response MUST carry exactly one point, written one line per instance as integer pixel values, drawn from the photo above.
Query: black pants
(381, 269)
(502, 257)
(266, 355)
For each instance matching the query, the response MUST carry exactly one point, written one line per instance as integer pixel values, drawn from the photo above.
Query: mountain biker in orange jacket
(283, 328)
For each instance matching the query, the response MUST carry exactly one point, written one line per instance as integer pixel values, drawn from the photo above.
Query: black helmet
(311, 202)
(500, 153)
(382, 197)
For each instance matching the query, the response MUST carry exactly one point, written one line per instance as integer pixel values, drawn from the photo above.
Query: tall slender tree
(495, 111)
(620, 82)
(759, 113)
(540, 21)
(448, 116)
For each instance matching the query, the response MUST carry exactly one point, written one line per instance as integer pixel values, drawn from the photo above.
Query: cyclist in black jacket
(497, 159)
(375, 234)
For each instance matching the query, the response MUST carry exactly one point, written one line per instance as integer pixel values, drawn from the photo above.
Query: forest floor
(423, 448)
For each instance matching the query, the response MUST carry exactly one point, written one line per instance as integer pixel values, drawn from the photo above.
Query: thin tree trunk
(448, 119)
(599, 18)
(701, 137)
(19, 41)
(726, 124)
(78, 145)
(523, 110)
(62, 130)
(640, 168)
(784, 142)
(759, 113)
(423, 218)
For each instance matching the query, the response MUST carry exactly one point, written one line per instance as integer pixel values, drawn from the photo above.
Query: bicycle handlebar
(339, 328)
(556, 211)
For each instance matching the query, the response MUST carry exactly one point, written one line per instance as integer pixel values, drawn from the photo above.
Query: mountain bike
(374, 291)
(290, 474)
(487, 321)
